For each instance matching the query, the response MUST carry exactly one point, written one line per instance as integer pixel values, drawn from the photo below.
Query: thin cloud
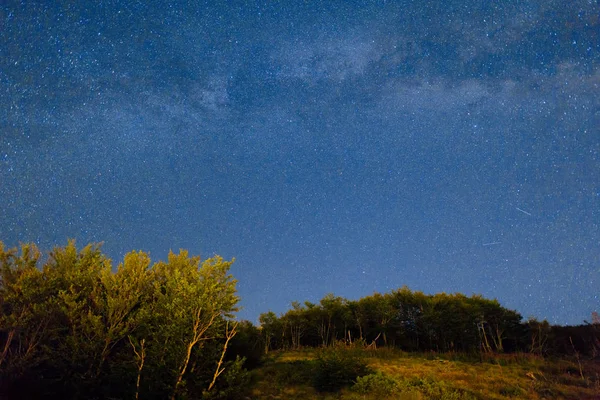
(329, 59)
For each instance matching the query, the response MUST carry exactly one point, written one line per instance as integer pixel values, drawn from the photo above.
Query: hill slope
(397, 375)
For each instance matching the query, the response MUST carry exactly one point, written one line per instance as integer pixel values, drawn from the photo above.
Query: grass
(420, 376)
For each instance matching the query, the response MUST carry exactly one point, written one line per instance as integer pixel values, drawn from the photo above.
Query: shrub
(377, 383)
(435, 390)
(297, 372)
(336, 368)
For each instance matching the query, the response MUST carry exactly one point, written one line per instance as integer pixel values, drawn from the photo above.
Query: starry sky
(329, 146)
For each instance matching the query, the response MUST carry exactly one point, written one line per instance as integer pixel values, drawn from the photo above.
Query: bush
(377, 383)
(297, 372)
(435, 390)
(336, 368)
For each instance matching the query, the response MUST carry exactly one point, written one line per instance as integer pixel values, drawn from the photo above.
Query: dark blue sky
(334, 146)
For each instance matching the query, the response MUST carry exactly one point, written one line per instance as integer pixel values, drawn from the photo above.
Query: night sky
(329, 146)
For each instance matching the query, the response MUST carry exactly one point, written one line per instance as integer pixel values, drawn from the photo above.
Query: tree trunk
(183, 369)
(9, 339)
(141, 355)
(198, 331)
(219, 371)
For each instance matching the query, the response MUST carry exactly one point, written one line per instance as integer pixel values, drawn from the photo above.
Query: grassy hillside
(392, 374)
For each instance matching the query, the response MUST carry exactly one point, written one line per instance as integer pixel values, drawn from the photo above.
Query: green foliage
(193, 298)
(234, 385)
(248, 343)
(413, 321)
(76, 328)
(434, 390)
(271, 331)
(297, 372)
(378, 383)
(336, 368)
(22, 321)
(405, 319)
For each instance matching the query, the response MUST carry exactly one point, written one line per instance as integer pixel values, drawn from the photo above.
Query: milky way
(345, 147)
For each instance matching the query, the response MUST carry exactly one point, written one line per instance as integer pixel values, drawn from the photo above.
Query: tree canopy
(415, 321)
(77, 327)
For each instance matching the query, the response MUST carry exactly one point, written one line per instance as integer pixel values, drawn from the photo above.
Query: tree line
(75, 326)
(414, 321)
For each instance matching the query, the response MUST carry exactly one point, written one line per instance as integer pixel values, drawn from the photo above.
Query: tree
(409, 307)
(495, 323)
(539, 332)
(270, 327)
(124, 292)
(23, 324)
(358, 316)
(295, 320)
(248, 343)
(194, 299)
(381, 309)
(75, 301)
(331, 318)
(78, 329)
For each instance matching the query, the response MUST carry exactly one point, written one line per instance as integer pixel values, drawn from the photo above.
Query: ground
(401, 375)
